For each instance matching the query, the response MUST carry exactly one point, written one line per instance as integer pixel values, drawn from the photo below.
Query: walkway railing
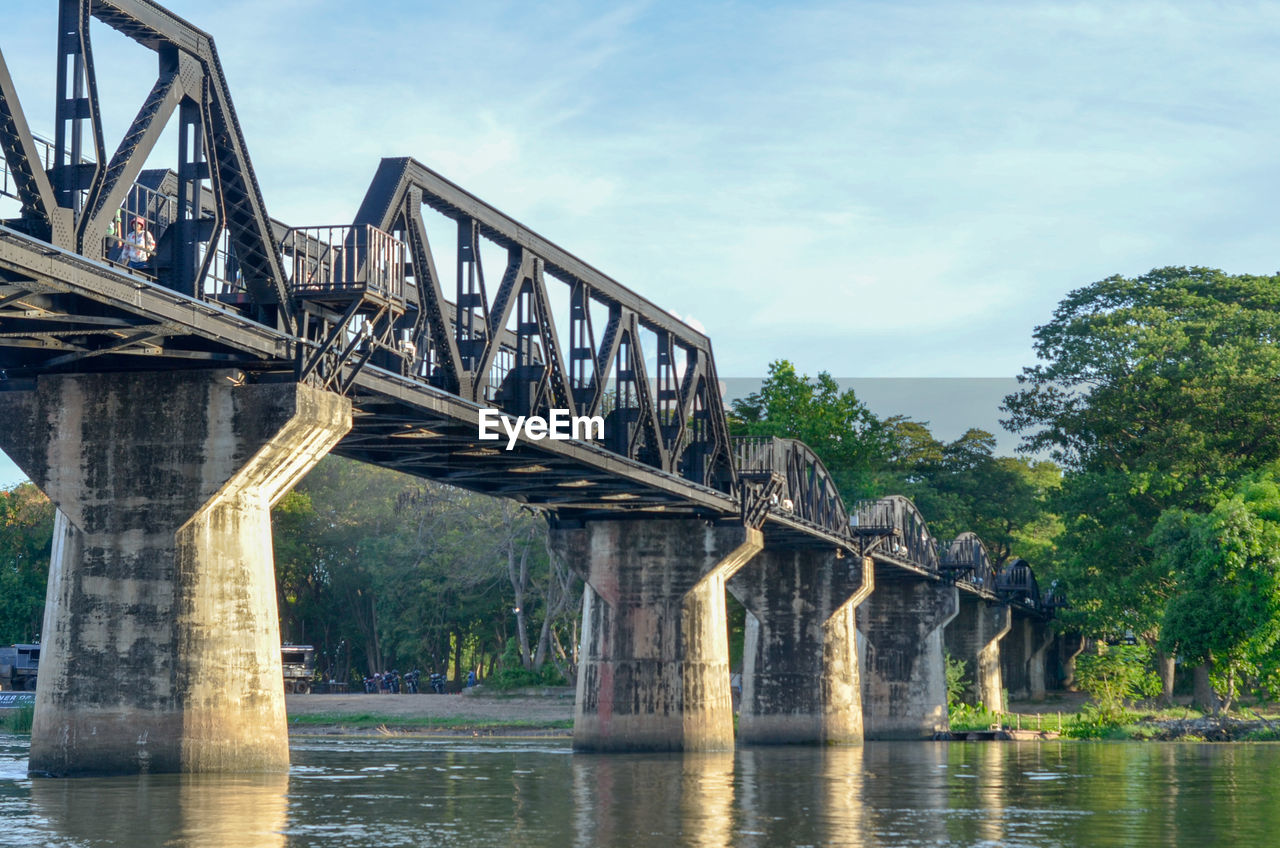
(808, 492)
(342, 261)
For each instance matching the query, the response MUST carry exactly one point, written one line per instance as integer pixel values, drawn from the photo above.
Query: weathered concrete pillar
(904, 683)
(161, 633)
(654, 668)
(1069, 646)
(974, 637)
(1023, 655)
(800, 681)
(1038, 663)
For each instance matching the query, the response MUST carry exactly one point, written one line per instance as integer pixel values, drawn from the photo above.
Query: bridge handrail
(1017, 583)
(344, 258)
(808, 490)
(898, 517)
(966, 560)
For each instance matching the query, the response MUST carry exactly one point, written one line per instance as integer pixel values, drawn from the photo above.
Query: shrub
(1113, 677)
(956, 683)
(19, 720)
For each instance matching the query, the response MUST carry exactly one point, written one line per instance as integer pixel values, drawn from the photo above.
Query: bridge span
(172, 360)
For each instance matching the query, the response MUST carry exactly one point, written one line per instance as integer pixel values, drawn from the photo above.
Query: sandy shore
(549, 706)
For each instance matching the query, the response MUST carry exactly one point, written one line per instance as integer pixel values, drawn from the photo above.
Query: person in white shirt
(139, 245)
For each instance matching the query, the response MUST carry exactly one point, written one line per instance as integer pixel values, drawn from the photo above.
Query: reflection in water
(706, 799)
(619, 799)
(192, 811)
(413, 791)
(842, 803)
(989, 807)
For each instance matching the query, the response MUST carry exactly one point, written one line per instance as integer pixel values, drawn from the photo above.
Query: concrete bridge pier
(1067, 647)
(800, 681)
(1024, 653)
(974, 636)
(161, 644)
(904, 684)
(653, 672)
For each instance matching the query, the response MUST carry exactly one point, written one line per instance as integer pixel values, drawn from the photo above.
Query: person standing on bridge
(140, 245)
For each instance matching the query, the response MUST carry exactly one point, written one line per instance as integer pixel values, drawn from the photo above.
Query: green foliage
(956, 680)
(18, 720)
(962, 486)
(1097, 722)
(1154, 393)
(958, 486)
(513, 675)
(1114, 677)
(972, 717)
(1226, 563)
(381, 571)
(26, 533)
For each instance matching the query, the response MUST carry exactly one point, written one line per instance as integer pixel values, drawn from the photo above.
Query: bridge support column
(1069, 646)
(161, 634)
(653, 673)
(904, 684)
(1023, 658)
(800, 680)
(974, 637)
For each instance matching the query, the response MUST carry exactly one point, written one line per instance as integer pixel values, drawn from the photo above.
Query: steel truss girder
(18, 146)
(73, 206)
(460, 354)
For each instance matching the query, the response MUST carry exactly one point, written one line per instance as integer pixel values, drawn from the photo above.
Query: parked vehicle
(299, 663)
(18, 667)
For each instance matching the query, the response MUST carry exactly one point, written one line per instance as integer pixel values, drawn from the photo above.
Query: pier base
(904, 685)
(974, 636)
(653, 673)
(161, 644)
(800, 681)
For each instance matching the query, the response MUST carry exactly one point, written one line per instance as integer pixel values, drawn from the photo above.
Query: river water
(410, 791)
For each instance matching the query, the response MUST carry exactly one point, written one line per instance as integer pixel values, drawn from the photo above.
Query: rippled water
(392, 791)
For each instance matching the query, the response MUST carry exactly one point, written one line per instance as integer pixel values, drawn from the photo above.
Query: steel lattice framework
(363, 309)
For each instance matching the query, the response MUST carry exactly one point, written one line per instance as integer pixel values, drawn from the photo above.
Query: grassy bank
(17, 720)
(1084, 720)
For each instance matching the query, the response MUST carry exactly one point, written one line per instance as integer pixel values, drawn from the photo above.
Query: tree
(1154, 393)
(1226, 609)
(962, 486)
(26, 534)
(403, 573)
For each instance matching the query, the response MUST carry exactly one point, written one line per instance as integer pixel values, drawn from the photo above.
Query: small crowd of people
(393, 682)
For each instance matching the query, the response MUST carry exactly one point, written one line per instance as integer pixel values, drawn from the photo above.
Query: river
(410, 791)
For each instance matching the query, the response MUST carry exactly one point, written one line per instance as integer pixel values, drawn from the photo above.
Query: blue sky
(872, 189)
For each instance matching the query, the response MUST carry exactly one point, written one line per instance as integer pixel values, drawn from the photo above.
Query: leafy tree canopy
(1226, 562)
(1155, 392)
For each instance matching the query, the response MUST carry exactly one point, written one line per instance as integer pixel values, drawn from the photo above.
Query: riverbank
(1055, 716)
(539, 711)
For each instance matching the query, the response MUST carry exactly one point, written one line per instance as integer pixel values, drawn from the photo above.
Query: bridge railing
(808, 492)
(1017, 584)
(966, 560)
(342, 261)
(8, 186)
(897, 518)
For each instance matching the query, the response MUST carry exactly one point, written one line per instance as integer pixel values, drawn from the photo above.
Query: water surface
(394, 791)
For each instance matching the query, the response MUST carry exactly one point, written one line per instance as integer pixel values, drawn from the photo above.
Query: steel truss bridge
(363, 310)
